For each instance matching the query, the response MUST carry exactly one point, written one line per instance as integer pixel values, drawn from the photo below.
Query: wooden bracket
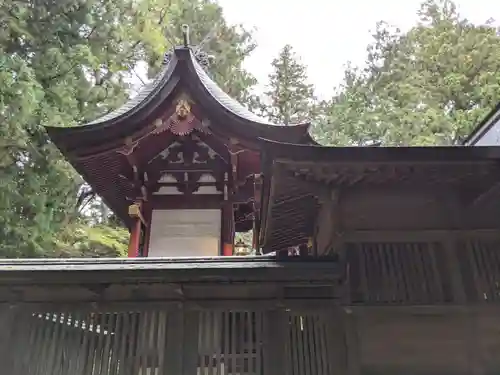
(134, 211)
(327, 231)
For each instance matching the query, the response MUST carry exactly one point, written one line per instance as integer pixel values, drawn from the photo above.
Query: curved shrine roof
(96, 149)
(182, 70)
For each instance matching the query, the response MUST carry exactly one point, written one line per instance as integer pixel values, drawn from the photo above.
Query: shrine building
(370, 260)
(179, 163)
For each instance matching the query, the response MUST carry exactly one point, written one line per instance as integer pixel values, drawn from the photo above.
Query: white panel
(207, 190)
(185, 233)
(168, 190)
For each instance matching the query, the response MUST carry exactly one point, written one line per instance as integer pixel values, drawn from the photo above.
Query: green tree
(289, 98)
(427, 86)
(64, 63)
(226, 46)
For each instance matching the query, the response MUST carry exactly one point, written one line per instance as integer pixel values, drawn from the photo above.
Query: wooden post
(352, 343)
(148, 212)
(134, 211)
(335, 341)
(191, 342)
(227, 249)
(257, 190)
(472, 338)
(450, 245)
(275, 334)
(227, 220)
(135, 236)
(174, 347)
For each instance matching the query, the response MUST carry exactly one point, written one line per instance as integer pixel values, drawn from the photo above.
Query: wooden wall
(438, 271)
(423, 341)
(356, 340)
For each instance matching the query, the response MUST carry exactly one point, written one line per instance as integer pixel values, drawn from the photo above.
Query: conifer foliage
(63, 63)
(289, 97)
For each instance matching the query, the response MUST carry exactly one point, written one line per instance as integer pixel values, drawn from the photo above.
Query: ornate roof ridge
(200, 63)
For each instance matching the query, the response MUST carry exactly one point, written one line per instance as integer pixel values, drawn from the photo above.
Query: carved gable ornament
(182, 121)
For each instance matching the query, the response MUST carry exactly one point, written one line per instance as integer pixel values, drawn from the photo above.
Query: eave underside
(118, 175)
(105, 150)
(368, 186)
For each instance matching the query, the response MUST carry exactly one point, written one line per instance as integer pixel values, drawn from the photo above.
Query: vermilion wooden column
(135, 237)
(227, 249)
(134, 211)
(147, 212)
(226, 228)
(227, 225)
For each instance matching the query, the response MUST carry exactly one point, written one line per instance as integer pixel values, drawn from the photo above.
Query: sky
(326, 34)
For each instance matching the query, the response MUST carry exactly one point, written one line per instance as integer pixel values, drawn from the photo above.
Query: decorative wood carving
(182, 121)
(173, 154)
(188, 164)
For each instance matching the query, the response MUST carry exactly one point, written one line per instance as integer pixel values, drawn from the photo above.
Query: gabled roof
(96, 149)
(182, 69)
(481, 130)
(294, 176)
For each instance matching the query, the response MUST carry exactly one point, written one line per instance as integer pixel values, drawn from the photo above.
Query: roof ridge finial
(185, 35)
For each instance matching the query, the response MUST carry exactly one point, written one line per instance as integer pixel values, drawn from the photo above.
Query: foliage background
(66, 62)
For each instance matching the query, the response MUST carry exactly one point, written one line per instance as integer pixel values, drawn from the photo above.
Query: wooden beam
(375, 235)
(187, 201)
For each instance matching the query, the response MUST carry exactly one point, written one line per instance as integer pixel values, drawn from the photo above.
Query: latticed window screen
(480, 266)
(140, 343)
(231, 342)
(84, 343)
(397, 273)
(309, 345)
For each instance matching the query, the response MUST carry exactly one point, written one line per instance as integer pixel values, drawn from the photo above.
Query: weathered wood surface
(168, 280)
(328, 341)
(450, 269)
(396, 306)
(440, 268)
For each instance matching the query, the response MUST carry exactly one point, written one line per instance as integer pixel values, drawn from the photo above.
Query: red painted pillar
(135, 237)
(227, 249)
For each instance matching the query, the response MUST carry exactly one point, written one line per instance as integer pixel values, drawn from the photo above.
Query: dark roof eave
(87, 270)
(485, 125)
(71, 138)
(314, 154)
(126, 119)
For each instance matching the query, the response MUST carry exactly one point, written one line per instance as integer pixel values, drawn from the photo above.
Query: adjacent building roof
(295, 175)
(487, 132)
(157, 280)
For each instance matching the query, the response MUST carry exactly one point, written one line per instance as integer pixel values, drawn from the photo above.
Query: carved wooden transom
(188, 166)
